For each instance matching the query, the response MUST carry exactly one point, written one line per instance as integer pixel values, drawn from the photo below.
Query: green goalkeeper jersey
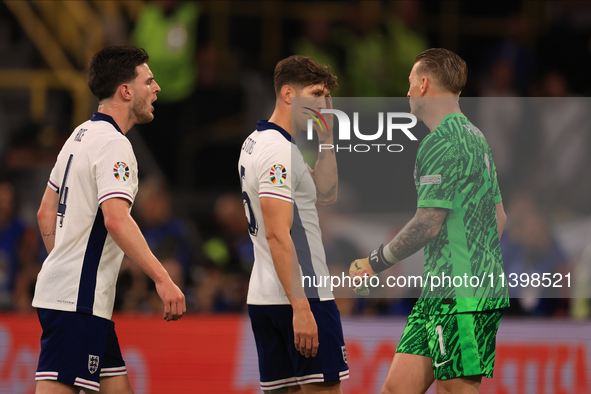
(463, 265)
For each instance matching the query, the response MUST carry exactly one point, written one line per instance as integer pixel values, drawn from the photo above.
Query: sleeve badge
(121, 171)
(278, 174)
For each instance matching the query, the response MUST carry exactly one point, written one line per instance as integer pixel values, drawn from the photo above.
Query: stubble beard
(142, 112)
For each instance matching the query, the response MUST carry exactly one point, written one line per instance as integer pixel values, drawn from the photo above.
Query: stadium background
(215, 69)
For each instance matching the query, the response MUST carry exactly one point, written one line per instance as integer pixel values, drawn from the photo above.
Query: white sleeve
(115, 168)
(274, 172)
(53, 181)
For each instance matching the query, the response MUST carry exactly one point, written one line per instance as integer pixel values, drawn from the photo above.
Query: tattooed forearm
(423, 227)
(327, 197)
(48, 234)
(321, 153)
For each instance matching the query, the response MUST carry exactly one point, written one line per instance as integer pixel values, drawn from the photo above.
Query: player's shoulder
(104, 133)
(451, 125)
(271, 133)
(268, 140)
(98, 128)
(451, 130)
(457, 125)
(441, 135)
(94, 139)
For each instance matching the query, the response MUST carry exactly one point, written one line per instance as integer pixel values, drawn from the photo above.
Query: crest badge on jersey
(93, 363)
(278, 174)
(344, 351)
(121, 171)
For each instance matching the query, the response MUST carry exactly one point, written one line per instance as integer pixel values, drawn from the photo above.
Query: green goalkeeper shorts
(461, 344)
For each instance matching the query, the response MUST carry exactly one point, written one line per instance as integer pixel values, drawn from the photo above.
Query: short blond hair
(445, 66)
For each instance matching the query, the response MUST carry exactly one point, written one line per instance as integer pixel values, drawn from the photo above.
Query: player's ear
(424, 85)
(287, 93)
(125, 91)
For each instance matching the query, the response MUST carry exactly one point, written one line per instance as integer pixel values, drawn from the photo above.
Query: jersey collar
(100, 116)
(266, 125)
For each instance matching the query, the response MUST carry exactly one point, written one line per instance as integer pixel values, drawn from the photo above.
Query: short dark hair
(446, 67)
(303, 71)
(112, 66)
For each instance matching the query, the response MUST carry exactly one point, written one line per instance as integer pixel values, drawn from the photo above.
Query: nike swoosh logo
(437, 365)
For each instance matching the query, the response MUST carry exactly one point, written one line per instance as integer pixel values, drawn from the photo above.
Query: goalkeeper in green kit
(451, 331)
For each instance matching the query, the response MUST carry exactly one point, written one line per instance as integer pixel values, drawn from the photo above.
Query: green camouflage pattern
(455, 170)
(461, 344)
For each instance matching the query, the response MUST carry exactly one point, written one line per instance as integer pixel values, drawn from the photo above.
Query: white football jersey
(96, 163)
(272, 166)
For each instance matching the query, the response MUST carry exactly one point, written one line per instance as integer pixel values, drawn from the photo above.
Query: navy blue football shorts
(78, 349)
(280, 364)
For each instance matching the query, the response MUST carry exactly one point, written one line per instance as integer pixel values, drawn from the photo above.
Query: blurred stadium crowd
(214, 62)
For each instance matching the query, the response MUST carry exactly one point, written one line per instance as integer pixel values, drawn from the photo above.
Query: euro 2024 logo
(121, 171)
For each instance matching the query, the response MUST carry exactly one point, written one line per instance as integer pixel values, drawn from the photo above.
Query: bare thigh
(409, 374)
(115, 385)
(462, 385)
(55, 387)
(309, 388)
(312, 388)
(324, 388)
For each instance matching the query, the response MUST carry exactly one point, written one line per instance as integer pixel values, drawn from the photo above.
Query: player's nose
(157, 88)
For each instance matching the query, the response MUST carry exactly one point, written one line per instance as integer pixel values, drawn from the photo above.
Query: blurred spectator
(378, 58)
(115, 26)
(563, 158)
(167, 30)
(403, 43)
(581, 275)
(510, 62)
(340, 251)
(318, 43)
(19, 254)
(500, 116)
(565, 41)
(223, 287)
(167, 235)
(529, 247)
(3, 137)
(229, 214)
(500, 80)
(34, 146)
(366, 73)
(169, 239)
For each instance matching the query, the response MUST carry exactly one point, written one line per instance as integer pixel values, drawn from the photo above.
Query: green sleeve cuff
(498, 198)
(435, 204)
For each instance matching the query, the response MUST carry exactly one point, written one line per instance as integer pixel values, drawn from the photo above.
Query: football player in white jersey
(297, 329)
(86, 226)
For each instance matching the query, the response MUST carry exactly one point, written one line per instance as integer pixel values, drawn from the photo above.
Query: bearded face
(145, 89)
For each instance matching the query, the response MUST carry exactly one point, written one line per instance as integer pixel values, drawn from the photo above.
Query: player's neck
(440, 109)
(120, 114)
(282, 119)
